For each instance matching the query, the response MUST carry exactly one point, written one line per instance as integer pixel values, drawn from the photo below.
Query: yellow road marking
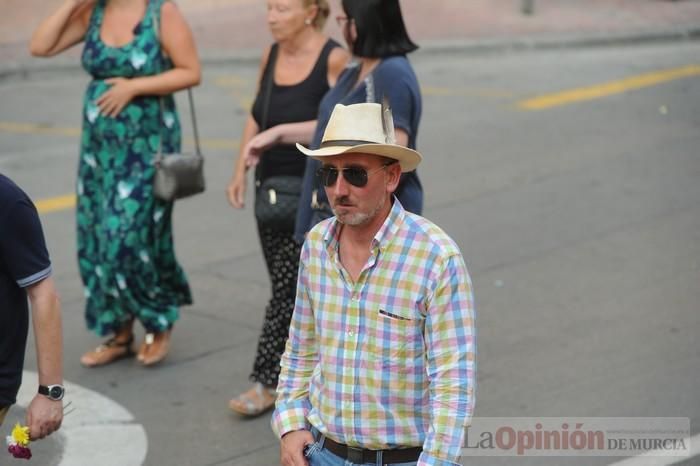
(231, 144)
(238, 89)
(231, 80)
(53, 204)
(607, 89)
(465, 92)
(67, 201)
(245, 102)
(33, 128)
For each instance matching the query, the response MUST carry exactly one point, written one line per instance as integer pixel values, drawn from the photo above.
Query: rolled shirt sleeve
(22, 247)
(298, 362)
(451, 363)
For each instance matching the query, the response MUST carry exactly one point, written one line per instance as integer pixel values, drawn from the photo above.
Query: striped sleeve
(298, 363)
(451, 362)
(22, 246)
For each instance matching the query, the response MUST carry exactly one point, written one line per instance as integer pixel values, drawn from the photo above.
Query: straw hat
(366, 128)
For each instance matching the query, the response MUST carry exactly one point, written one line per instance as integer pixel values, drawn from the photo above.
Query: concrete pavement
(579, 223)
(213, 350)
(228, 30)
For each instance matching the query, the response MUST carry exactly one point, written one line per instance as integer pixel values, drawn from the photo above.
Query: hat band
(345, 142)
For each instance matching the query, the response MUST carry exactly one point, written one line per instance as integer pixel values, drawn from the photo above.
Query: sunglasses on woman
(356, 176)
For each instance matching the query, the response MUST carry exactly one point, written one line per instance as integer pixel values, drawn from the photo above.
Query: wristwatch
(52, 392)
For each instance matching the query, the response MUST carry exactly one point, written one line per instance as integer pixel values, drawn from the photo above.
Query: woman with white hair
(295, 73)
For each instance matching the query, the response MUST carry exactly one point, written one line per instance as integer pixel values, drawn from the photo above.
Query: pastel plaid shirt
(389, 360)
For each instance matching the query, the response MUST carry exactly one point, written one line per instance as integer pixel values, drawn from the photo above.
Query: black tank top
(290, 104)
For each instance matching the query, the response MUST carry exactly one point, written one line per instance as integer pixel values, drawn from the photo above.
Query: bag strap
(159, 155)
(268, 79)
(267, 92)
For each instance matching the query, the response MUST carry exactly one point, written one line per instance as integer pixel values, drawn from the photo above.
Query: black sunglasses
(356, 176)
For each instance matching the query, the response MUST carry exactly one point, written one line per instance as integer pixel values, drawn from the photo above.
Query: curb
(553, 42)
(98, 430)
(25, 68)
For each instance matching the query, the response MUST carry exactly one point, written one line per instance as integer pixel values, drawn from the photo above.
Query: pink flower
(19, 451)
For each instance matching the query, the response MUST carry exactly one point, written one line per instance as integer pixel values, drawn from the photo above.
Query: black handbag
(277, 200)
(178, 175)
(276, 197)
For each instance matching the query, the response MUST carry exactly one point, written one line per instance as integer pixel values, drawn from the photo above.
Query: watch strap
(46, 390)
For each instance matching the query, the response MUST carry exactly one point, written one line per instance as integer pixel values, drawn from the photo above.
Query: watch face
(56, 392)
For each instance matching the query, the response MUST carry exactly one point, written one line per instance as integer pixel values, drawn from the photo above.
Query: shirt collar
(388, 230)
(390, 226)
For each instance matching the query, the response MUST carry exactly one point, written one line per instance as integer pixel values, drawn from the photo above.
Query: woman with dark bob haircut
(380, 28)
(375, 32)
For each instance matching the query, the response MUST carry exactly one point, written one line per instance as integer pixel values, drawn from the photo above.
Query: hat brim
(407, 158)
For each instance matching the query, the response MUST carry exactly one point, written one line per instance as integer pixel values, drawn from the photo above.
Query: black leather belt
(361, 456)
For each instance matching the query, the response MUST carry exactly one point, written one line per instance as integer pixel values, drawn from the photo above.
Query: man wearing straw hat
(380, 363)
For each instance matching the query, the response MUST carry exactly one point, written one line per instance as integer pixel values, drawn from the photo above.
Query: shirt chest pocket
(395, 337)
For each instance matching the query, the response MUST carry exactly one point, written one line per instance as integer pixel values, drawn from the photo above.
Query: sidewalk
(228, 30)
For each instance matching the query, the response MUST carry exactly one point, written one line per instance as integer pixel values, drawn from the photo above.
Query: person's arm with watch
(45, 412)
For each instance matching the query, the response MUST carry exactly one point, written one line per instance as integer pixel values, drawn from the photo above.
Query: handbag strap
(159, 155)
(267, 92)
(268, 79)
(197, 147)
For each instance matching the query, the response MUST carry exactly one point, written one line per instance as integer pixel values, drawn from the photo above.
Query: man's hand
(292, 447)
(44, 417)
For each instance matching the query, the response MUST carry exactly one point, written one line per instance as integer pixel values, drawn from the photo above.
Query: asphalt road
(580, 223)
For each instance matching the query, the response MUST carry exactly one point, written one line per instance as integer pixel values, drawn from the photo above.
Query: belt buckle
(354, 455)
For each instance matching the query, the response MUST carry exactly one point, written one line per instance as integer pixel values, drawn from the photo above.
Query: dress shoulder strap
(319, 73)
(325, 52)
(98, 12)
(327, 49)
(153, 10)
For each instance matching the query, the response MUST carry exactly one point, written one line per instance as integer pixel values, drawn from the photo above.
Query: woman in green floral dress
(136, 51)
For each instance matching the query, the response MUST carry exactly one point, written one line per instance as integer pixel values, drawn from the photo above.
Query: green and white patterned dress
(125, 245)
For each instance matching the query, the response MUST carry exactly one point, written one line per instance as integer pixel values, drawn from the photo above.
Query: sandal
(154, 348)
(254, 402)
(108, 352)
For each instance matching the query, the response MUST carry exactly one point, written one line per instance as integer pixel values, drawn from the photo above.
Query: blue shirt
(394, 78)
